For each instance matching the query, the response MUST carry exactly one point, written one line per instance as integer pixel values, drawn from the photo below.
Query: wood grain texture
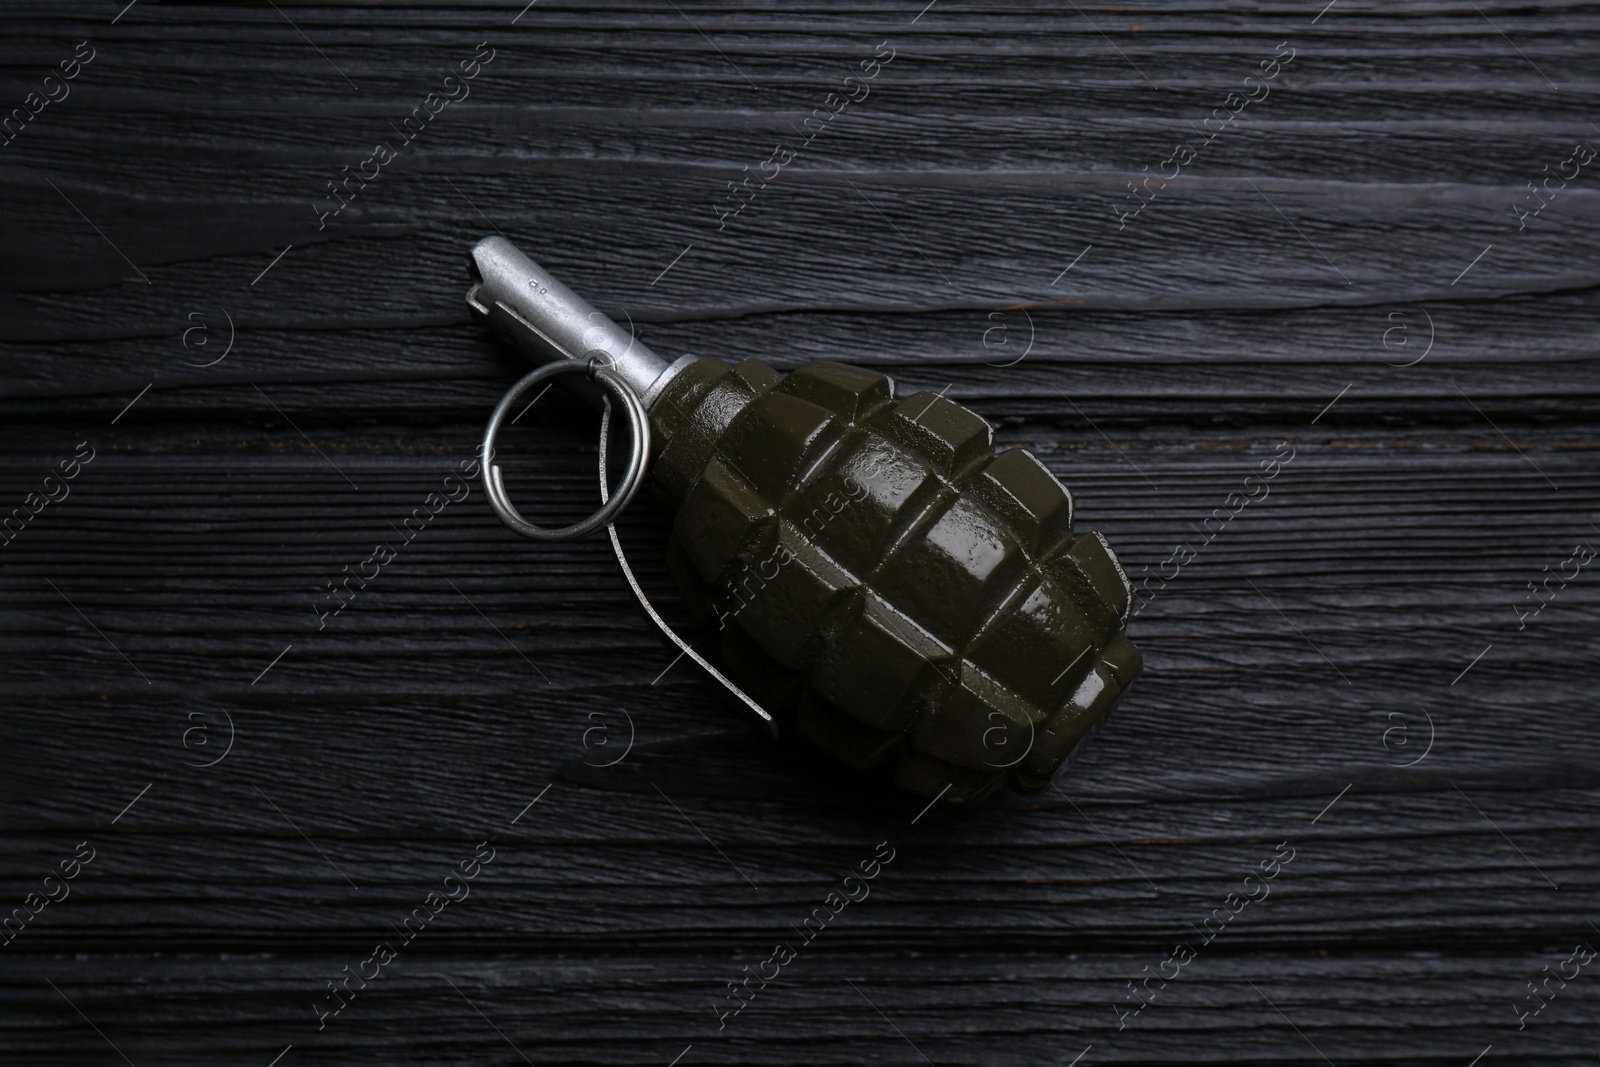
(1342, 668)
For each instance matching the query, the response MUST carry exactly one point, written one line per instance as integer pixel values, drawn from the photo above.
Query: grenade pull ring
(549, 322)
(638, 454)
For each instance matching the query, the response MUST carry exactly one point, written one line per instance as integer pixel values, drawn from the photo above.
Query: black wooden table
(1348, 813)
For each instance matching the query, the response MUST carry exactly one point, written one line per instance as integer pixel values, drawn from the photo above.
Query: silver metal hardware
(638, 455)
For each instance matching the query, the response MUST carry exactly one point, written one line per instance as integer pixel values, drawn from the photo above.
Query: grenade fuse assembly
(883, 582)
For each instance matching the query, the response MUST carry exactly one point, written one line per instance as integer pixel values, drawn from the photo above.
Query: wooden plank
(971, 1008)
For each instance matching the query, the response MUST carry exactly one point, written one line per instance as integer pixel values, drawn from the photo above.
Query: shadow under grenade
(892, 588)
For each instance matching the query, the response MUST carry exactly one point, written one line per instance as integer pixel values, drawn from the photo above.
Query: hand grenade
(884, 582)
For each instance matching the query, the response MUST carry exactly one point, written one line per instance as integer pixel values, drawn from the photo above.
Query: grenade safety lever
(547, 321)
(894, 590)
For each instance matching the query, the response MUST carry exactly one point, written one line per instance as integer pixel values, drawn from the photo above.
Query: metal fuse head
(546, 321)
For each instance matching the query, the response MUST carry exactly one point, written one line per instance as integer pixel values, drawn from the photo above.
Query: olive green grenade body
(883, 581)
(882, 575)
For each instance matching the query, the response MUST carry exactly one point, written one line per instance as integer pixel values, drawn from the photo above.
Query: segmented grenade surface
(884, 578)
